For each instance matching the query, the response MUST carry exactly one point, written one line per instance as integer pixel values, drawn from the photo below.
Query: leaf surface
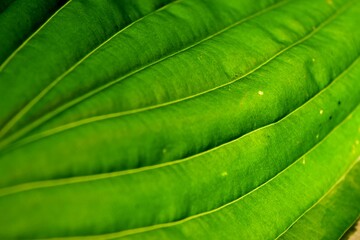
(179, 119)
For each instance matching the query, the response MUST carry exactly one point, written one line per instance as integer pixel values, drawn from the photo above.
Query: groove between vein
(171, 224)
(357, 161)
(2, 66)
(48, 116)
(81, 179)
(56, 130)
(202, 214)
(28, 106)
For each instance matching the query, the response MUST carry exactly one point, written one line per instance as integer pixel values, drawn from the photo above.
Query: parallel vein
(32, 126)
(28, 106)
(333, 187)
(48, 116)
(87, 178)
(171, 224)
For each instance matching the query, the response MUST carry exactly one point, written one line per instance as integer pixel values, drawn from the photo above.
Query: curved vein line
(99, 89)
(38, 97)
(6, 62)
(87, 178)
(159, 226)
(56, 130)
(171, 224)
(348, 228)
(342, 177)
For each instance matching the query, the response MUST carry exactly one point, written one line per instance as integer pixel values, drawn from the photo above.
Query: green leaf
(14, 32)
(179, 119)
(264, 211)
(322, 220)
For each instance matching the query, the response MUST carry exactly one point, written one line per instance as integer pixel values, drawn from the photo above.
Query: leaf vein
(37, 98)
(171, 224)
(81, 179)
(67, 126)
(357, 161)
(62, 108)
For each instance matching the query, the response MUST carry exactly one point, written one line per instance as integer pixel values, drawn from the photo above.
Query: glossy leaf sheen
(185, 119)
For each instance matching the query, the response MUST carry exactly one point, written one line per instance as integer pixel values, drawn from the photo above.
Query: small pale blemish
(317, 136)
(313, 59)
(260, 93)
(224, 174)
(303, 161)
(330, 2)
(321, 112)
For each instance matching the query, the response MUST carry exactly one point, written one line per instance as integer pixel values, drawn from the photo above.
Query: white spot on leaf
(321, 111)
(260, 93)
(224, 174)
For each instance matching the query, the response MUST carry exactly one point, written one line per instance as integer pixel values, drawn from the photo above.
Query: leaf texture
(179, 119)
